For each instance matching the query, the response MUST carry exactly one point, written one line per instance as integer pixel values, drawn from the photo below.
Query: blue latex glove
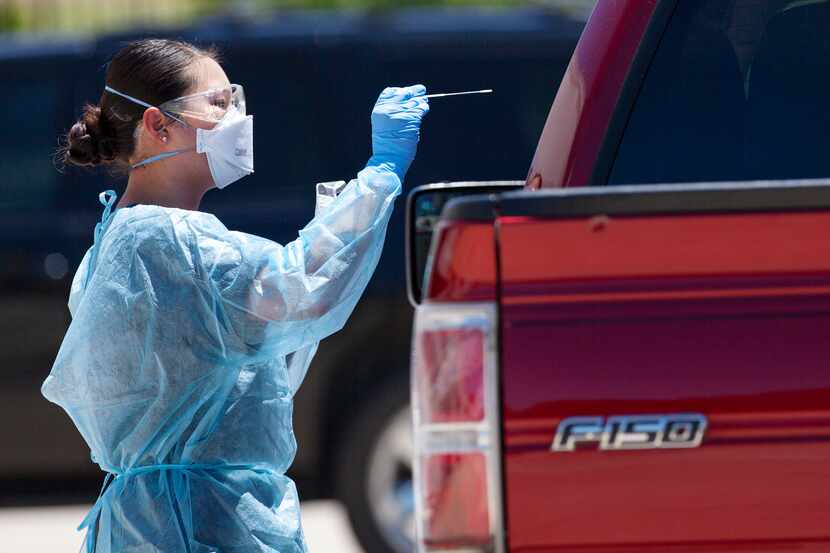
(396, 124)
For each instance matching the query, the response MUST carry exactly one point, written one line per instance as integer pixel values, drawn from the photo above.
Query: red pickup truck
(633, 352)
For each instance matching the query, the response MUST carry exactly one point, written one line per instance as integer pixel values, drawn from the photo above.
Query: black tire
(382, 409)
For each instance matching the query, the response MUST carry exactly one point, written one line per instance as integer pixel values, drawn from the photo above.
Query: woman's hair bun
(87, 143)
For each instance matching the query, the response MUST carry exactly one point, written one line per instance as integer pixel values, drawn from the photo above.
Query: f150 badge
(683, 430)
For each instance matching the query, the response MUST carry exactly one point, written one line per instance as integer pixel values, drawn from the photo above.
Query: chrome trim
(627, 432)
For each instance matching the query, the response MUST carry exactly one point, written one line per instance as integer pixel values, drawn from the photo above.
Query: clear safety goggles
(210, 105)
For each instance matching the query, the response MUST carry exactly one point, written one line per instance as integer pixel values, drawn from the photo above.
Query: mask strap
(157, 157)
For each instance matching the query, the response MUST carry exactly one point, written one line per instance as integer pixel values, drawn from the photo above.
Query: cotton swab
(488, 91)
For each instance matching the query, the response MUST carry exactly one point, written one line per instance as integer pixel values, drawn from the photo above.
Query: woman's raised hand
(396, 124)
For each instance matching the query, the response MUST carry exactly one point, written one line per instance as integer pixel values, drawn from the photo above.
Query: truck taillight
(451, 382)
(456, 422)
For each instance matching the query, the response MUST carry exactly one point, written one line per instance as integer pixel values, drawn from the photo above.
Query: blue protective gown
(187, 344)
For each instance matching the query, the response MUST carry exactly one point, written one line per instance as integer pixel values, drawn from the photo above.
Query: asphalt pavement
(52, 529)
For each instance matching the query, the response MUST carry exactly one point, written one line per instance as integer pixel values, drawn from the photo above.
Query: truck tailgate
(644, 301)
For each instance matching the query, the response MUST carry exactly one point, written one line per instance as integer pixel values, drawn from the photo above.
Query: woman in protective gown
(188, 341)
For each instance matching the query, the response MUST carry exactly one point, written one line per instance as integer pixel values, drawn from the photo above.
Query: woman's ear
(154, 125)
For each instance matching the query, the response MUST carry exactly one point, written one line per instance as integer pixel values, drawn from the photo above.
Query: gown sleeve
(279, 299)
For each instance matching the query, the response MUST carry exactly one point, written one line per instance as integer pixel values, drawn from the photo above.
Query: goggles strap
(144, 104)
(128, 97)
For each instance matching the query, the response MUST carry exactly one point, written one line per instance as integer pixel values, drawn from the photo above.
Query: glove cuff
(385, 163)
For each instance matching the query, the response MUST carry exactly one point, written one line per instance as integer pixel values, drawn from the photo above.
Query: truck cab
(627, 351)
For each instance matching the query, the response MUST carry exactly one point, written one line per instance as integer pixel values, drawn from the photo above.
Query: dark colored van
(310, 80)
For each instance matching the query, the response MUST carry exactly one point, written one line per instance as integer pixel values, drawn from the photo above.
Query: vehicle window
(27, 146)
(737, 90)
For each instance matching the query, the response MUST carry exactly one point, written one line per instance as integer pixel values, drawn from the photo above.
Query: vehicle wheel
(375, 472)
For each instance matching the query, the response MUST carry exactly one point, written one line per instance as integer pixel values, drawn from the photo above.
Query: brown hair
(151, 70)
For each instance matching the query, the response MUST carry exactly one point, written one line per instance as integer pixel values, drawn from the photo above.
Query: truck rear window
(737, 90)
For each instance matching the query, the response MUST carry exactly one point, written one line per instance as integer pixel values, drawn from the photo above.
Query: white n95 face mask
(229, 146)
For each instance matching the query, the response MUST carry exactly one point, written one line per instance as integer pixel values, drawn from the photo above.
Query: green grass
(93, 16)
(97, 16)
